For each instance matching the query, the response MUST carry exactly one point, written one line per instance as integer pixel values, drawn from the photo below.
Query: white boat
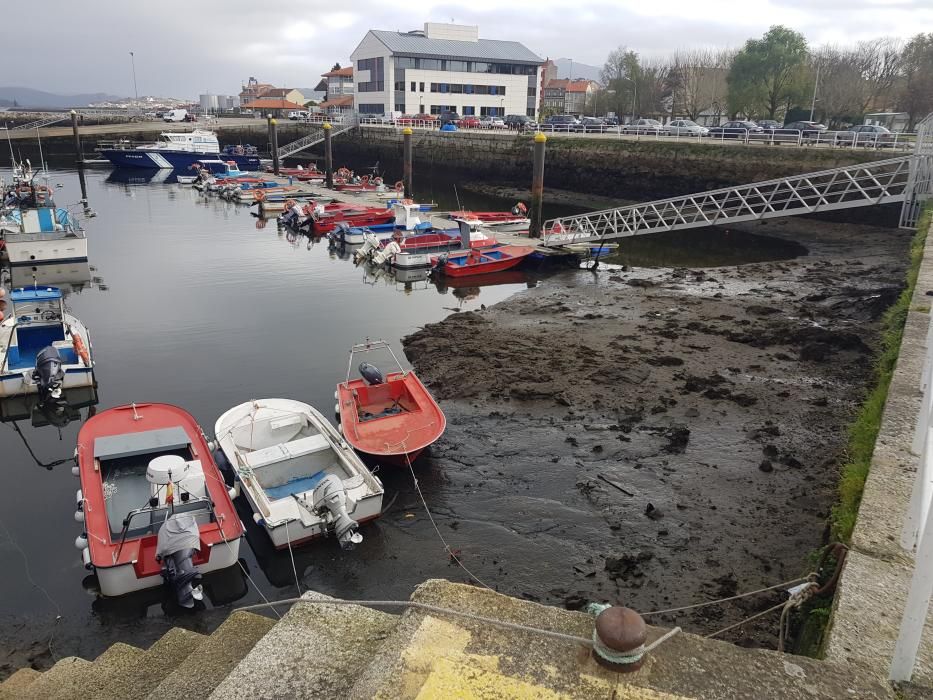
(41, 232)
(300, 477)
(185, 179)
(43, 349)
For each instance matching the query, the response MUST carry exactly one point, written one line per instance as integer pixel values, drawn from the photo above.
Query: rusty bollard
(619, 639)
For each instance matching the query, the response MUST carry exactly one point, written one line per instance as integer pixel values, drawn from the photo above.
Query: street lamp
(135, 89)
(501, 106)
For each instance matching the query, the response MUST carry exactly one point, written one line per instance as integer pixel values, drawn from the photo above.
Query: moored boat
(178, 150)
(34, 230)
(511, 221)
(482, 261)
(43, 349)
(392, 417)
(154, 504)
(298, 474)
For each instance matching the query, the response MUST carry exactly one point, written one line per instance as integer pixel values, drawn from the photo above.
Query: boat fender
(336, 396)
(371, 373)
(80, 349)
(257, 518)
(399, 186)
(79, 497)
(79, 516)
(81, 541)
(232, 492)
(259, 194)
(86, 558)
(76, 470)
(337, 409)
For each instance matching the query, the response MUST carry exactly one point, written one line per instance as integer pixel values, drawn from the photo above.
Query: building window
(493, 89)
(430, 64)
(400, 107)
(400, 86)
(445, 87)
(435, 109)
(530, 112)
(456, 89)
(413, 86)
(371, 108)
(468, 111)
(421, 88)
(434, 87)
(468, 89)
(532, 92)
(492, 111)
(376, 68)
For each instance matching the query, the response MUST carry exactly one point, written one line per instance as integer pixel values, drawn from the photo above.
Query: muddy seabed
(660, 437)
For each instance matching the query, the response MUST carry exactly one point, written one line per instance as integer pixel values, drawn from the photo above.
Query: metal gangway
(313, 139)
(40, 123)
(878, 182)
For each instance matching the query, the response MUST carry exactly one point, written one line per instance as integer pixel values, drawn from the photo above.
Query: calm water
(188, 302)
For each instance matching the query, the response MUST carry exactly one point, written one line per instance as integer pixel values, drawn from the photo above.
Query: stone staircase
(327, 651)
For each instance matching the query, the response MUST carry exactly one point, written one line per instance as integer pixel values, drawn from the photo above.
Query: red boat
(482, 261)
(358, 217)
(364, 185)
(148, 483)
(309, 173)
(392, 418)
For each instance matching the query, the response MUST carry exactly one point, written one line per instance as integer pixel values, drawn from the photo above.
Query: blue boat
(179, 151)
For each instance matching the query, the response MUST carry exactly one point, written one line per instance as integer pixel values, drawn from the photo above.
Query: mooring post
(275, 146)
(328, 157)
(537, 185)
(406, 161)
(79, 157)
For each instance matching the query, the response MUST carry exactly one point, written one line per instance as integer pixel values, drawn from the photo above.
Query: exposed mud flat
(662, 437)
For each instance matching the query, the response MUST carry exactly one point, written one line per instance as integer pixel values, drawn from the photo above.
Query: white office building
(445, 67)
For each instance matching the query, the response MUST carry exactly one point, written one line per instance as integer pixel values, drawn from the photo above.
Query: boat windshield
(37, 311)
(147, 521)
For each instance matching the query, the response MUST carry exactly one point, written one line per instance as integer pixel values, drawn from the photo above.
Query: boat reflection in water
(140, 176)
(221, 588)
(412, 280)
(69, 277)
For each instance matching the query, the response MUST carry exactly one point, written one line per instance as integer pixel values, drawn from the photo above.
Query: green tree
(916, 96)
(768, 74)
(620, 74)
(336, 66)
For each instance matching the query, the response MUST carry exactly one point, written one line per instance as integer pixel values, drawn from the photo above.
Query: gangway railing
(920, 185)
(290, 149)
(39, 123)
(878, 182)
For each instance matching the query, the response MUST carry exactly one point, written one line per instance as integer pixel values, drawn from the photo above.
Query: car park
(593, 124)
(490, 122)
(808, 131)
(562, 122)
(865, 135)
(769, 124)
(685, 127)
(469, 122)
(520, 122)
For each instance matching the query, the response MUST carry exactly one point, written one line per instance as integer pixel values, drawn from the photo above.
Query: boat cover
(179, 532)
(132, 444)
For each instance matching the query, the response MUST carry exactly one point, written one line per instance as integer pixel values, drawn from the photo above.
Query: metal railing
(917, 534)
(39, 123)
(920, 186)
(339, 125)
(876, 182)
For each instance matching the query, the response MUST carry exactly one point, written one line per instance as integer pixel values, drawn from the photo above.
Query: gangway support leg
(328, 156)
(537, 185)
(406, 162)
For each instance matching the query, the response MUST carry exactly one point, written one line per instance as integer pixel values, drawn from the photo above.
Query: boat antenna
(41, 157)
(459, 208)
(9, 140)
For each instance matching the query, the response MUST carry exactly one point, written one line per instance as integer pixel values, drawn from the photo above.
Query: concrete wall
(873, 588)
(626, 168)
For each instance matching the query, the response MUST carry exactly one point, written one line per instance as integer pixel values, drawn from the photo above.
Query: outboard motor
(329, 496)
(48, 374)
(371, 374)
(464, 234)
(177, 542)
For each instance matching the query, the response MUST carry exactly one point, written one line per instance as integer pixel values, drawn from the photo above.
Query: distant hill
(580, 70)
(27, 97)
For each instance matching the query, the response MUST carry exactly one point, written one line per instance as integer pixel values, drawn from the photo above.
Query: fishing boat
(43, 349)
(392, 417)
(482, 261)
(178, 150)
(153, 502)
(34, 230)
(513, 220)
(301, 478)
(185, 179)
(300, 173)
(365, 184)
(347, 219)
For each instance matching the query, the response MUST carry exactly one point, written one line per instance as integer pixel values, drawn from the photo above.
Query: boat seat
(289, 450)
(307, 445)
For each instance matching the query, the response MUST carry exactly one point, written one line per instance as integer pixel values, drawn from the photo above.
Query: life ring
(259, 194)
(397, 236)
(80, 349)
(399, 186)
(289, 203)
(377, 180)
(407, 201)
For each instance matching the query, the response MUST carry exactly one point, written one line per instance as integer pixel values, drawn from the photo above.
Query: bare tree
(880, 61)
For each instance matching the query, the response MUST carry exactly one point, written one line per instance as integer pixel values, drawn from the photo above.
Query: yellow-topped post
(537, 185)
(274, 143)
(406, 161)
(328, 156)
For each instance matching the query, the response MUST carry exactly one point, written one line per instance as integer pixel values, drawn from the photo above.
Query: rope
(250, 578)
(288, 538)
(742, 622)
(450, 552)
(793, 582)
(632, 656)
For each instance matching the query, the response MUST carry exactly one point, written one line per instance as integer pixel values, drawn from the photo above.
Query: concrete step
(118, 661)
(444, 656)
(135, 676)
(68, 672)
(199, 674)
(16, 684)
(312, 652)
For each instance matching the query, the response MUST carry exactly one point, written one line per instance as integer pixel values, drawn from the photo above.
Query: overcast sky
(185, 48)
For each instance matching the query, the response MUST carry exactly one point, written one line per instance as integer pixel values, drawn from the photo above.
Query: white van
(175, 115)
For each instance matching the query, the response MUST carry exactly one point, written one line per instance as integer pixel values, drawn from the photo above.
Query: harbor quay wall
(622, 168)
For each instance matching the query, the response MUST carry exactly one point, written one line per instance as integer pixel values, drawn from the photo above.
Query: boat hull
(32, 248)
(477, 263)
(164, 159)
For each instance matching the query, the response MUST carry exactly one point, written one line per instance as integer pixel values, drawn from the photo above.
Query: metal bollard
(619, 639)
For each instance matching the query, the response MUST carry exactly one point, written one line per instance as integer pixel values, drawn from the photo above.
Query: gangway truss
(298, 145)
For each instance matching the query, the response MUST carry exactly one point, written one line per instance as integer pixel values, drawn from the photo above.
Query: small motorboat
(482, 260)
(185, 179)
(154, 504)
(390, 417)
(368, 217)
(514, 220)
(43, 349)
(364, 185)
(299, 475)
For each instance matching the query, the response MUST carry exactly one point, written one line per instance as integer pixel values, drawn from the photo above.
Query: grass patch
(864, 431)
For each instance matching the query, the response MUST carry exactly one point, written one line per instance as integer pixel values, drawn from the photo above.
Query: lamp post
(135, 89)
(502, 107)
(815, 86)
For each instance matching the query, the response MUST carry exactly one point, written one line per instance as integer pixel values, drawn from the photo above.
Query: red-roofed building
(563, 96)
(273, 106)
(337, 105)
(339, 83)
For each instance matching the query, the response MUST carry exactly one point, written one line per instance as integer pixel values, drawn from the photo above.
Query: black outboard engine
(371, 374)
(177, 543)
(48, 374)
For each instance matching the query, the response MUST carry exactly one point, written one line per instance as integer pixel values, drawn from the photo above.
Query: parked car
(769, 124)
(409, 119)
(490, 122)
(520, 122)
(593, 124)
(562, 122)
(644, 126)
(449, 118)
(611, 121)
(808, 130)
(685, 127)
(866, 135)
(736, 130)
(298, 115)
(469, 122)
(175, 115)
